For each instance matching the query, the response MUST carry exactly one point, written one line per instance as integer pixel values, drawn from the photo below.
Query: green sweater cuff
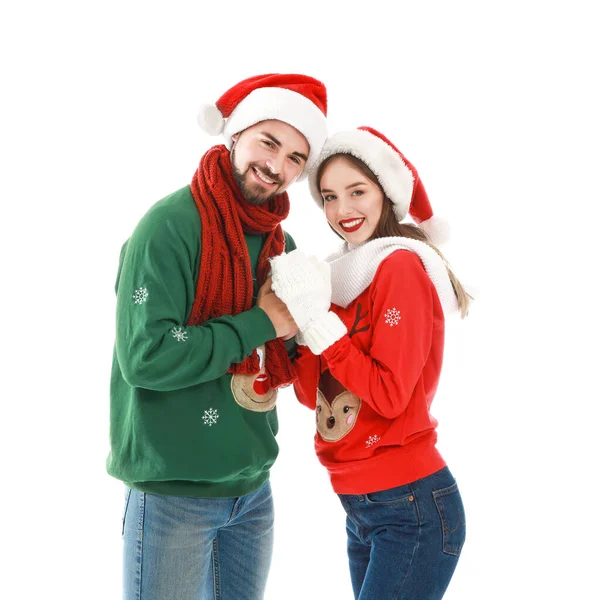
(257, 328)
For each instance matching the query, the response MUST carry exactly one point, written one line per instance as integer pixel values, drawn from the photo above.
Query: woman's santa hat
(396, 174)
(298, 100)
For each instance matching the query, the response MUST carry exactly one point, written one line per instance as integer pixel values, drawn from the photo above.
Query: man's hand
(276, 311)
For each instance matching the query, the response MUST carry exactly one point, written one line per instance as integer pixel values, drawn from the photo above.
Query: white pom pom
(437, 230)
(210, 119)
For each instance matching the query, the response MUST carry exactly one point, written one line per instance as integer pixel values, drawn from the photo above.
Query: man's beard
(254, 194)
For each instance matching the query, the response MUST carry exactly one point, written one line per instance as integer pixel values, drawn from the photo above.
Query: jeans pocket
(452, 517)
(125, 507)
(391, 496)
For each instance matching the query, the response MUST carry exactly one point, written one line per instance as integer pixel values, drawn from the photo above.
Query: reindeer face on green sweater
(253, 392)
(336, 408)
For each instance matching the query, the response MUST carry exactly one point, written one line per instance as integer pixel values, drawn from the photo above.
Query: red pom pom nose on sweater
(261, 384)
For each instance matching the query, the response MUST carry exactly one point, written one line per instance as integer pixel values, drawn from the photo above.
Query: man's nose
(273, 165)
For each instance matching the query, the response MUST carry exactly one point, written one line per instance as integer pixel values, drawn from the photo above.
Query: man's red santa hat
(298, 100)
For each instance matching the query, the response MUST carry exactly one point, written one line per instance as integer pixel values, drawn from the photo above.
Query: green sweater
(175, 425)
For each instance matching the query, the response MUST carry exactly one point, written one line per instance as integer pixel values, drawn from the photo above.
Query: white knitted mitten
(303, 284)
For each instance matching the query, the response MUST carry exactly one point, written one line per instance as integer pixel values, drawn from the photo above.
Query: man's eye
(295, 160)
(267, 143)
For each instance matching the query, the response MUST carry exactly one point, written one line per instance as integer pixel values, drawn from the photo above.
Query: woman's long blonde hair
(389, 226)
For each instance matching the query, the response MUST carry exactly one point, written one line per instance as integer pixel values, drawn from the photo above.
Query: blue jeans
(197, 548)
(404, 543)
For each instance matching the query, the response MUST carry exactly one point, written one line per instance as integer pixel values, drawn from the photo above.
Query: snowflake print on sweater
(140, 295)
(373, 439)
(392, 317)
(179, 334)
(210, 417)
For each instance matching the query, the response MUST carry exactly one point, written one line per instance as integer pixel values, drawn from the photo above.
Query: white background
(98, 121)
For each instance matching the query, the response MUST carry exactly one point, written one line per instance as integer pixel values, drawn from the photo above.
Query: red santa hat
(396, 174)
(298, 100)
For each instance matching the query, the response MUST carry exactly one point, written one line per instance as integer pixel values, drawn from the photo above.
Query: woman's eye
(358, 193)
(329, 197)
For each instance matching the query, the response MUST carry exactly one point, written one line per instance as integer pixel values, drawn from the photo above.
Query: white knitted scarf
(353, 269)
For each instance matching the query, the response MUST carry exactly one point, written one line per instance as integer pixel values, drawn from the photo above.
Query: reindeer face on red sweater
(336, 408)
(253, 392)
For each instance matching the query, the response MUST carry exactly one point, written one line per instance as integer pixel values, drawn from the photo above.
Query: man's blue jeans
(197, 548)
(404, 543)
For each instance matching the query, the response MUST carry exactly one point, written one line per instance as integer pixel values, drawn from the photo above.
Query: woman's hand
(304, 285)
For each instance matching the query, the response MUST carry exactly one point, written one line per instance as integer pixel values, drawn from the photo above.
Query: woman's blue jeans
(404, 543)
(197, 548)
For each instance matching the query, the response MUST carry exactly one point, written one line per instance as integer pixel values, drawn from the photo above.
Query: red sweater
(373, 388)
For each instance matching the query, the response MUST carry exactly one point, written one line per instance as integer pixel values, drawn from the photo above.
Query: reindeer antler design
(357, 320)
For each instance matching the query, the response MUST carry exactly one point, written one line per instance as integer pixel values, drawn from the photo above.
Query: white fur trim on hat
(284, 105)
(390, 169)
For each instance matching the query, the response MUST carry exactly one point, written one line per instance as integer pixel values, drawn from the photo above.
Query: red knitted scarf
(225, 285)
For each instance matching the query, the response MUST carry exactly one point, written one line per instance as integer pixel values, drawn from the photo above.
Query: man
(199, 351)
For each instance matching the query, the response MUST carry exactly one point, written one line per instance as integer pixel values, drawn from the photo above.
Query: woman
(371, 335)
